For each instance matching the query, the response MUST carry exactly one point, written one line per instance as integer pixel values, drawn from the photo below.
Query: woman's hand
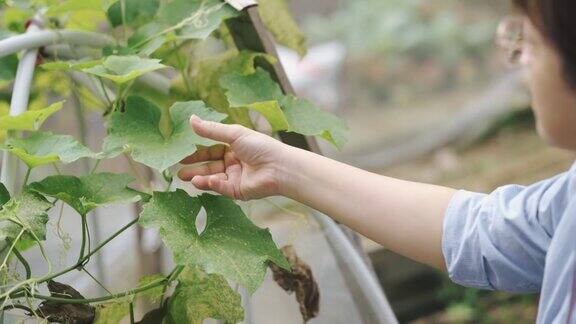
(248, 167)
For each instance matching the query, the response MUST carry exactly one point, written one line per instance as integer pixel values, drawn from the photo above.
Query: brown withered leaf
(56, 312)
(301, 281)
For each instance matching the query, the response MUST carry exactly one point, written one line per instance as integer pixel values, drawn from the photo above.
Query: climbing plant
(188, 43)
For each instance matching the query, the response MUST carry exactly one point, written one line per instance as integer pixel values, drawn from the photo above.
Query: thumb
(217, 131)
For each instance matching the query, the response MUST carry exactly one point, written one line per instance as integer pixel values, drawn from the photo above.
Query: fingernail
(195, 118)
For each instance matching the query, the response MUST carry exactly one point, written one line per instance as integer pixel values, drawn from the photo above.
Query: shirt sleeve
(499, 240)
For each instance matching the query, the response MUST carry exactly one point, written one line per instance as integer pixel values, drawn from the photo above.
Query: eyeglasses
(510, 35)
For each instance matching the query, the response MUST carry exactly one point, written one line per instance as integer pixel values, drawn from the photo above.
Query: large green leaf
(24, 217)
(135, 12)
(307, 119)
(259, 92)
(209, 72)
(89, 192)
(278, 19)
(230, 244)
(137, 130)
(30, 120)
(46, 148)
(123, 69)
(199, 296)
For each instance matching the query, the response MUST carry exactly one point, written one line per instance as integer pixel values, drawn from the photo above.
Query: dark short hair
(556, 19)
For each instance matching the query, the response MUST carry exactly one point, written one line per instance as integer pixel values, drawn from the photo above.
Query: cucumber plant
(188, 43)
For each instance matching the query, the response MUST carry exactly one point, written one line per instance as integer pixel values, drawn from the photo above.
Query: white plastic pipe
(362, 275)
(18, 105)
(43, 38)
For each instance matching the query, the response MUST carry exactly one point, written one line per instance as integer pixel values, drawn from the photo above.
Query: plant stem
(83, 243)
(75, 266)
(97, 281)
(100, 299)
(171, 277)
(24, 263)
(56, 169)
(27, 177)
(131, 313)
(95, 166)
(9, 307)
(104, 90)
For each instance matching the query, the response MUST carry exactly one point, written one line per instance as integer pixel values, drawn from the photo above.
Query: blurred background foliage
(443, 43)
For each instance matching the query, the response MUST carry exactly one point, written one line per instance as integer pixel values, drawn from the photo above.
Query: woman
(518, 239)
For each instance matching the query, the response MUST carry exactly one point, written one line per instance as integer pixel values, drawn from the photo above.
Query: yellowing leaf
(111, 313)
(256, 91)
(278, 19)
(29, 120)
(199, 296)
(207, 80)
(259, 92)
(45, 148)
(70, 65)
(24, 217)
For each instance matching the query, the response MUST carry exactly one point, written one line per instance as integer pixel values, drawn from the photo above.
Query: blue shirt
(519, 239)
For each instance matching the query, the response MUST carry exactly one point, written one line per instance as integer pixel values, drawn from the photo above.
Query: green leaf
(211, 70)
(24, 216)
(111, 313)
(137, 130)
(68, 6)
(4, 195)
(70, 65)
(8, 66)
(147, 39)
(206, 19)
(123, 69)
(243, 90)
(230, 244)
(89, 192)
(136, 12)
(155, 294)
(307, 119)
(46, 148)
(278, 20)
(30, 120)
(257, 92)
(199, 296)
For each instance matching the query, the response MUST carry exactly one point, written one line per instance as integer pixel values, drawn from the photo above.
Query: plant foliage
(187, 45)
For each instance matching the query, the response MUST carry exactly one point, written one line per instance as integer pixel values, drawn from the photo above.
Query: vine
(183, 42)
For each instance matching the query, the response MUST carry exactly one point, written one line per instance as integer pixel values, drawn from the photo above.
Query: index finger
(216, 131)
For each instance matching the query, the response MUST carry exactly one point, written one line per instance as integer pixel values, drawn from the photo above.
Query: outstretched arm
(405, 217)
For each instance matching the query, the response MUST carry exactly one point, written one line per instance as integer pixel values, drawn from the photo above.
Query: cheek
(554, 107)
